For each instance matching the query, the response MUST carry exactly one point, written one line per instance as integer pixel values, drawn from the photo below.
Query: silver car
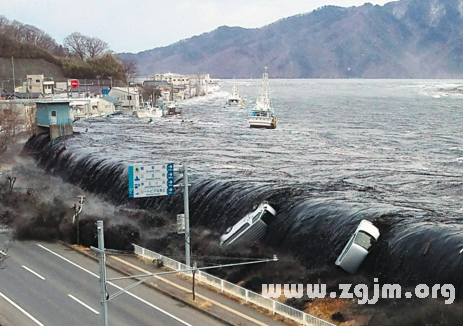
(356, 250)
(250, 228)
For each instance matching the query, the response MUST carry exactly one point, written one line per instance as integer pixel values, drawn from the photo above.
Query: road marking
(116, 286)
(84, 304)
(4, 253)
(21, 309)
(189, 291)
(35, 273)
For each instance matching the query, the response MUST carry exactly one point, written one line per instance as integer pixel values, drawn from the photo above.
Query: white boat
(263, 114)
(148, 112)
(234, 99)
(250, 228)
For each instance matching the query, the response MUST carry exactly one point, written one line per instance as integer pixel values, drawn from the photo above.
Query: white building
(191, 85)
(36, 84)
(129, 96)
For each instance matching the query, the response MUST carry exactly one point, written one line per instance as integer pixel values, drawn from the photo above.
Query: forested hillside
(402, 39)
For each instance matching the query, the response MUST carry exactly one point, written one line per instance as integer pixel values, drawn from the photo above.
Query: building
(108, 105)
(54, 117)
(36, 84)
(188, 85)
(129, 96)
(83, 108)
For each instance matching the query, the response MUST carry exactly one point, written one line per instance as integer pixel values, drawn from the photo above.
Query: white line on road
(116, 286)
(35, 273)
(21, 309)
(85, 305)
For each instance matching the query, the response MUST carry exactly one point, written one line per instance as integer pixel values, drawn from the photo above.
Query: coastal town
(83, 99)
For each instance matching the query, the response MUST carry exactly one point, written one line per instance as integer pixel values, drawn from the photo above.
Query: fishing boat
(171, 105)
(172, 108)
(148, 111)
(263, 114)
(234, 99)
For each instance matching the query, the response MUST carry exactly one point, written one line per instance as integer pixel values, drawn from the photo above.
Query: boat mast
(265, 93)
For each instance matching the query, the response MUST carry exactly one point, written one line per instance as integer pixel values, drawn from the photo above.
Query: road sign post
(158, 180)
(151, 180)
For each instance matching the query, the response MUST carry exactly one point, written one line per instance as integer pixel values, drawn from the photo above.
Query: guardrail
(272, 305)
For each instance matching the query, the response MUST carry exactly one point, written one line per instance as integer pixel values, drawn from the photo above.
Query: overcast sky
(139, 25)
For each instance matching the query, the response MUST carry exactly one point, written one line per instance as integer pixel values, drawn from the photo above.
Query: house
(83, 108)
(54, 117)
(108, 105)
(129, 96)
(189, 85)
(36, 84)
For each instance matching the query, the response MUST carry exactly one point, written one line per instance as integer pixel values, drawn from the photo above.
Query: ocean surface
(390, 151)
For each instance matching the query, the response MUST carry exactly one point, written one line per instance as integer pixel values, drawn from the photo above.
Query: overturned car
(358, 247)
(250, 228)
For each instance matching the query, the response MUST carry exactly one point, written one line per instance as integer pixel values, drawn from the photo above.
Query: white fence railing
(237, 291)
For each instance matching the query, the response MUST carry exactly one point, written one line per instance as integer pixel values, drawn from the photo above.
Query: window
(363, 240)
(53, 113)
(237, 233)
(129, 97)
(37, 80)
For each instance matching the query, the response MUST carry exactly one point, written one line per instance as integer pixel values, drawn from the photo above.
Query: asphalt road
(49, 284)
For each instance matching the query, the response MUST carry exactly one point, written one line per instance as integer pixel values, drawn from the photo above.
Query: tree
(130, 68)
(96, 47)
(24, 33)
(106, 66)
(150, 93)
(86, 47)
(11, 123)
(77, 43)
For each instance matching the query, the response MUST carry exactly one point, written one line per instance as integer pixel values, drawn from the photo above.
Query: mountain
(403, 39)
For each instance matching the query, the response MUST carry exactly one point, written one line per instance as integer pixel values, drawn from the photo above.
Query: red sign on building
(74, 83)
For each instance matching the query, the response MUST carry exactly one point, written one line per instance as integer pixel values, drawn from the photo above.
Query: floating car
(250, 228)
(358, 246)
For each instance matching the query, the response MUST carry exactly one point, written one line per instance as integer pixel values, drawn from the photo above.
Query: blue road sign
(151, 180)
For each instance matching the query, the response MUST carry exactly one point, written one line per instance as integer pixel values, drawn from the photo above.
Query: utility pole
(186, 210)
(185, 227)
(99, 88)
(128, 92)
(102, 264)
(75, 218)
(14, 82)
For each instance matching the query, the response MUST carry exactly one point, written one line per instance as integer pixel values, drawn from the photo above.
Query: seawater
(389, 151)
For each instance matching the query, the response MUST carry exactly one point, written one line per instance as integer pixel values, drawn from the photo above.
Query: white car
(356, 250)
(250, 228)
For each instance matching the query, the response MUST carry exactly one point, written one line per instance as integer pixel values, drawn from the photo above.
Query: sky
(138, 25)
